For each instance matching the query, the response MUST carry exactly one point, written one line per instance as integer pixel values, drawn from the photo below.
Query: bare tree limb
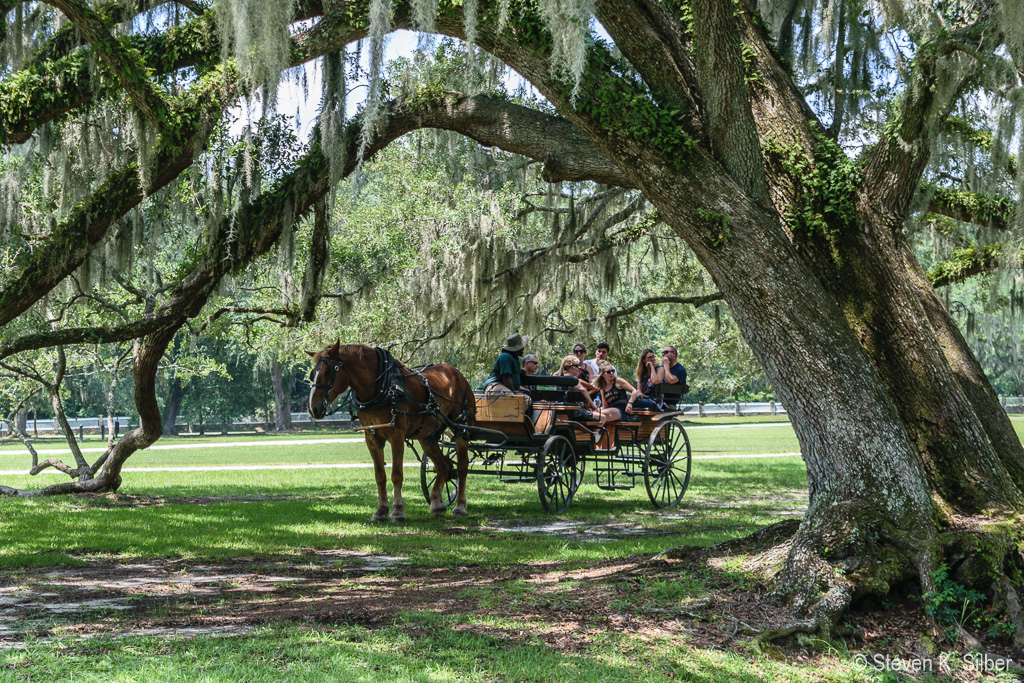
(56, 464)
(420, 342)
(85, 335)
(614, 312)
(12, 423)
(83, 472)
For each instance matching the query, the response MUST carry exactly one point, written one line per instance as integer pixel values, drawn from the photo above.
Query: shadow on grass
(222, 515)
(419, 647)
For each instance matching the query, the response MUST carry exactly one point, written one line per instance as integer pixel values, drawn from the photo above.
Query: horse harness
(389, 389)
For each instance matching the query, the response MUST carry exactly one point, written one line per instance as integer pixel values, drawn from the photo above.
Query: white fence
(1012, 404)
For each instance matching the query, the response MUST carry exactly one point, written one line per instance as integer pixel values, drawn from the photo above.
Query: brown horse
(396, 403)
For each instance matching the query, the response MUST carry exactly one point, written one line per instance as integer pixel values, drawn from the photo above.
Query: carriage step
(617, 487)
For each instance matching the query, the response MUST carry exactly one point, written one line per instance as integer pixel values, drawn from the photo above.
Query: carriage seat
(672, 394)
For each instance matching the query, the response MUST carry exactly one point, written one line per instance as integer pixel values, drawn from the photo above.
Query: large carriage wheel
(428, 474)
(667, 464)
(559, 474)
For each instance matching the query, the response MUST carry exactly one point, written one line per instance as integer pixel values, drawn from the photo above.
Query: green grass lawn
(286, 511)
(421, 647)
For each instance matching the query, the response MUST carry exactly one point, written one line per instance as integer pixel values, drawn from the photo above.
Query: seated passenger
(571, 368)
(579, 350)
(616, 394)
(647, 375)
(674, 372)
(600, 356)
(504, 377)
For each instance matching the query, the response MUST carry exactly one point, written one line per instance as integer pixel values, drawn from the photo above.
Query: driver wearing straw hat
(504, 377)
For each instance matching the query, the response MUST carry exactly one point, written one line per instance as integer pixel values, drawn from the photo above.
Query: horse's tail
(465, 398)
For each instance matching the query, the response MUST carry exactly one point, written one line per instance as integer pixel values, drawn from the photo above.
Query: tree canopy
(795, 147)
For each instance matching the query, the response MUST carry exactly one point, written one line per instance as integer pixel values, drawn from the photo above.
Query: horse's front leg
(397, 474)
(462, 468)
(375, 444)
(433, 451)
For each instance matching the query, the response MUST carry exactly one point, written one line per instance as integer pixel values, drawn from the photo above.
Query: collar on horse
(388, 388)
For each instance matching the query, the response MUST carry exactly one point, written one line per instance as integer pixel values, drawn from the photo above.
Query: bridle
(334, 365)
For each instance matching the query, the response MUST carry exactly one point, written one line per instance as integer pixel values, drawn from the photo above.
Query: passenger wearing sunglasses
(579, 351)
(571, 368)
(616, 394)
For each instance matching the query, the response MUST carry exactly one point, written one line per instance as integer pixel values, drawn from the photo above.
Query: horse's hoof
(438, 510)
(460, 511)
(379, 516)
(398, 517)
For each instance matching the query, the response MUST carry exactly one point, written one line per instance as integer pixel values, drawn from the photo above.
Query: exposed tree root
(770, 535)
(841, 555)
(1011, 604)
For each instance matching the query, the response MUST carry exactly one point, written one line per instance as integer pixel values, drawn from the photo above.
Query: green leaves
(827, 185)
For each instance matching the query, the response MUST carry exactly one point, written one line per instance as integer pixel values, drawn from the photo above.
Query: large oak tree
(911, 460)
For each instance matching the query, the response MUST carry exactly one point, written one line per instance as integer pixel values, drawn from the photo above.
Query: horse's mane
(358, 347)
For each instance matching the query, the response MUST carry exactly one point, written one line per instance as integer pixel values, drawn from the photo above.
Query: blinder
(334, 365)
(338, 365)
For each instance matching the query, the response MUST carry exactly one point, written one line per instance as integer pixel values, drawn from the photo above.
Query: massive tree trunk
(887, 426)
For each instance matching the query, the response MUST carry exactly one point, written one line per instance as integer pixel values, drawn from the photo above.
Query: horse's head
(328, 380)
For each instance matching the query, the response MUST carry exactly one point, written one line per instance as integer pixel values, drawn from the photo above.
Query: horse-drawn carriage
(548, 440)
(551, 444)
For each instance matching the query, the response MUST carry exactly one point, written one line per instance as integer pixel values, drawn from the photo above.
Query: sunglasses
(579, 350)
(609, 372)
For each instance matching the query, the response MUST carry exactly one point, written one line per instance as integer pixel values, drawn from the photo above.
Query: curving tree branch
(613, 313)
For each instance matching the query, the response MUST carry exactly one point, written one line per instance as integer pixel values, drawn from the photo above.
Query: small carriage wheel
(667, 464)
(559, 473)
(428, 474)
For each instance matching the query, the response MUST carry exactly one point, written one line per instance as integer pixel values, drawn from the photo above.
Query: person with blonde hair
(570, 367)
(617, 395)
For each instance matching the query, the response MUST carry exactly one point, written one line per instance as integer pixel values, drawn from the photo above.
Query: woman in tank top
(617, 395)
